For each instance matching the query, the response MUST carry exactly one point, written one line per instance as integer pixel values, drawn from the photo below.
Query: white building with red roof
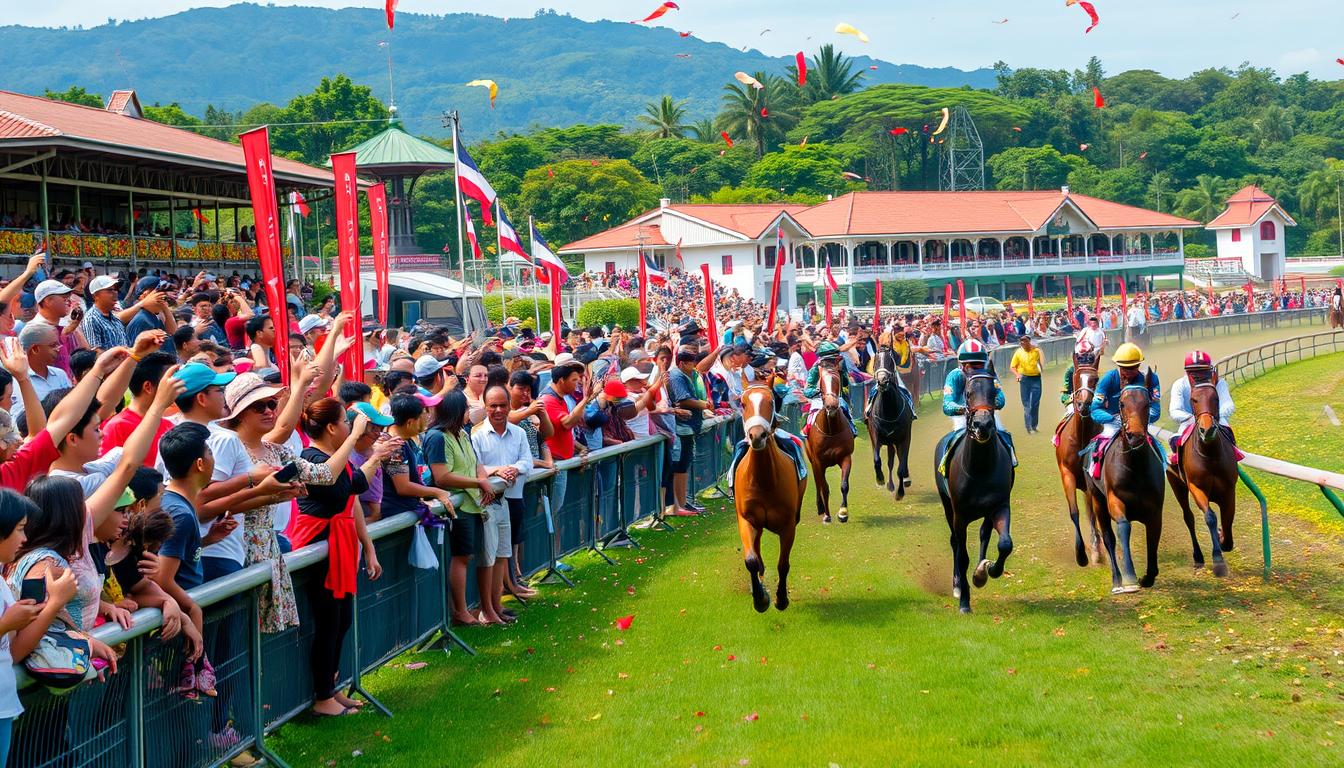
(996, 242)
(1252, 231)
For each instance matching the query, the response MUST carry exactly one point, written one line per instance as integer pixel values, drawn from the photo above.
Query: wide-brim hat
(244, 390)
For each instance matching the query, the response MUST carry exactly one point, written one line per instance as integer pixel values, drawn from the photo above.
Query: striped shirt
(103, 331)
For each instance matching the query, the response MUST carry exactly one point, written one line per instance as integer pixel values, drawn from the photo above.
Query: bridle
(886, 384)
(756, 419)
(1206, 434)
(971, 410)
(1143, 434)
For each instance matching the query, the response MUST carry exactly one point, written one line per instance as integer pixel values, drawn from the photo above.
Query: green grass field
(873, 666)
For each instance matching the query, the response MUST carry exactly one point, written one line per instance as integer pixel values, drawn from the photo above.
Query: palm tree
(1203, 201)
(665, 117)
(1322, 191)
(761, 115)
(829, 74)
(703, 131)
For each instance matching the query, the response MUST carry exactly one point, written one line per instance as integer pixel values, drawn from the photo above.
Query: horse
(979, 485)
(1072, 436)
(1131, 470)
(767, 493)
(1208, 472)
(830, 443)
(914, 377)
(890, 422)
(1336, 319)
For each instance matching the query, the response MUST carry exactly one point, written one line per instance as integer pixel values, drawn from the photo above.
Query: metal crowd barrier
(138, 717)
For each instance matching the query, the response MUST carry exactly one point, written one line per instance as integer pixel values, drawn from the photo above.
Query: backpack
(63, 656)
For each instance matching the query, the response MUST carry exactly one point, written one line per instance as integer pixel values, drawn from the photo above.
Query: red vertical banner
(877, 307)
(378, 227)
(266, 220)
(1250, 296)
(347, 256)
(1068, 300)
(557, 312)
(1124, 296)
(1097, 304)
(1031, 302)
(829, 320)
(643, 293)
(947, 310)
(774, 285)
(961, 306)
(1303, 283)
(711, 324)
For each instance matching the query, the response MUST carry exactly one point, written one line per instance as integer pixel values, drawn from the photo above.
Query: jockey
(973, 359)
(1106, 400)
(1198, 367)
(828, 355)
(1083, 354)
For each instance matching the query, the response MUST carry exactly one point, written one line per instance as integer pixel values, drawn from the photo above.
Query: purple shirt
(375, 493)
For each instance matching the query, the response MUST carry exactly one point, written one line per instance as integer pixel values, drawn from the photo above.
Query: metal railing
(80, 246)
(1251, 363)
(139, 718)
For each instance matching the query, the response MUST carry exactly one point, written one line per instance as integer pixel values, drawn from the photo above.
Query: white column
(919, 255)
(1180, 243)
(1031, 250)
(1003, 256)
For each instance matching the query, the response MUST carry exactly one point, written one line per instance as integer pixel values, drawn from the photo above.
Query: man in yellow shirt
(1026, 366)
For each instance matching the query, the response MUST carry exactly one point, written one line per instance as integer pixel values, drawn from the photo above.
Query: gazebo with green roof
(398, 159)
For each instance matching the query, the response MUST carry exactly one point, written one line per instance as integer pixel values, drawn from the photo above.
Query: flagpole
(536, 286)
(499, 253)
(461, 248)
(294, 240)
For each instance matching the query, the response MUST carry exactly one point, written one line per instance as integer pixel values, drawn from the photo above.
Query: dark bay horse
(1207, 472)
(767, 493)
(978, 486)
(830, 443)
(890, 422)
(1131, 490)
(1074, 433)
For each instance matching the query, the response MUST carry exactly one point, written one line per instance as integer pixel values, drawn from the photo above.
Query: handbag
(62, 658)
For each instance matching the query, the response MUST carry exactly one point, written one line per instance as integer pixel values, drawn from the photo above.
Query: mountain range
(552, 69)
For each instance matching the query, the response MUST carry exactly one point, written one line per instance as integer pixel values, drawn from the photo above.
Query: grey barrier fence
(1252, 363)
(138, 717)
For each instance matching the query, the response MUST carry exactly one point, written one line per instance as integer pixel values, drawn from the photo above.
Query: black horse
(978, 486)
(890, 422)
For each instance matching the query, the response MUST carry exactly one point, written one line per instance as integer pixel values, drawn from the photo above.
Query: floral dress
(279, 611)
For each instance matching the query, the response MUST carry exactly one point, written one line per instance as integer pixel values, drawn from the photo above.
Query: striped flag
(473, 184)
(471, 232)
(508, 236)
(831, 287)
(655, 275)
(543, 256)
(298, 204)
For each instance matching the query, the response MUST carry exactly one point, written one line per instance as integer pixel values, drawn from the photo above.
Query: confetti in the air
(490, 84)
(849, 29)
(947, 114)
(659, 11)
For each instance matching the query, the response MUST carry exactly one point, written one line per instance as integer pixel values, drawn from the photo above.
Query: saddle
(813, 409)
(1183, 437)
(790, 444)
(1096, 449)
(954, 438)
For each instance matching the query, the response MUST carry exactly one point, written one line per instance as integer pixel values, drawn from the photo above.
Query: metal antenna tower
(961, 164)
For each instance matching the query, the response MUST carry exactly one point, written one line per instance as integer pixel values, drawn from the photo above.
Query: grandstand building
(996, 242)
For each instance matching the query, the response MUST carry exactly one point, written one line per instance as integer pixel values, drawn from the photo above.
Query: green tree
(506, 161)
(76, 95)
(1203, 201)
(1322, 194)
(812, 169)
(666, 117)
(755, 195)
(584, 198)
(703, 131)
(683, 168)
(829, 74)
(761, 115)
(1029, 168)
(336, 116)
(172, 114)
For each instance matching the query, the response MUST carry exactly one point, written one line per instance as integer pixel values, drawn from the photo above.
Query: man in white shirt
(1136, 321)
(1093, 335)
(1198, 368)
(643, 389)
(39, 341)
(502, 451)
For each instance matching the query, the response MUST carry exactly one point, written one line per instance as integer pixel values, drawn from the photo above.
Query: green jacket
(813, 387)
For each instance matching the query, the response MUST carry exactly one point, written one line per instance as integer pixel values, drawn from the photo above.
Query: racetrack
(872, 665)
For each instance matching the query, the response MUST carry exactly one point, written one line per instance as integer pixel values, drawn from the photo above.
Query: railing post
(136, 705)
(254, 666)
(1264, 516)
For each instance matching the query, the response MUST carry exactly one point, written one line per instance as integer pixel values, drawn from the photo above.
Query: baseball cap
(147, 283)
(86, 265)
(103, 282)
(198, 376)
(428, 365)
(127, 499)
(631, 373)
(564, 357)
(48, 288)
(311, 322)
(615, 389)
(375, 417)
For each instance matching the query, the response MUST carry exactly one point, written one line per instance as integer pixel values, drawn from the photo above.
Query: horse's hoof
(881, 485)
(826, 519)
(964, 608)
(1227, 546)
(781, 602)
(1080, 556)
(891, 487)
(995, 570)
(907, 482)
(843, 515)
(1219, 569)
(1199, 564)
(981, 575)
(1147, 582)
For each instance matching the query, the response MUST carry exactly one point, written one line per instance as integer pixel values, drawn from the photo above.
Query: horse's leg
(1227, 509)
(845, 465)
(958, 572)
(877, 454)
(1129, 581)
(1108, 538)
(903, 454)
(1211, 522)
(1071, 498)
(980, 576)
(823, 492)
(1091, 506)
(1152, 531)
(751, 550)
(893, 482)
(1002, 524)
(961, 560)
(1182, 493)
(785, 546)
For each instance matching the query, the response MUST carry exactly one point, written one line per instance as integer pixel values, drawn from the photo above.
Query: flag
(508, 236)
(266, 215)
(961, 309)
(655, 275)
(347, 256)
(471, 232)
(544, 257)
(774, 285)
(831, 287)
(1304, 290)
(1097, 305)
(1250, 296)
(1031, 302)
(557, 312)
(378, 229)
(1068, 298)
(390, 8)
(1124, 297)
(299, 205)
(473, 184)
(681, 263)
(196, 213)
(643, 291)
(711, 324)
(947, 310)
(490, 284)
(877, 307)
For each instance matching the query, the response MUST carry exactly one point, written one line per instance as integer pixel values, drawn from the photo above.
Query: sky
(1174, 37)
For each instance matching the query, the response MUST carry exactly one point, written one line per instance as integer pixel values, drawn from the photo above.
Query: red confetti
(718, 647)
(684, 34)
(699, 713)
(630, 590)
(1097, 99)
(1091, 13)
(659, 11)
(802, 68)
(1142, 155)
(731, 657)
(1015, 128)
(765, 112)
(726, 138)
(873, 67)
(624, 622)
(898, 131)
(550, 172)
(753, 717)
(1083, 147)
(594, 162)
(1341, 61)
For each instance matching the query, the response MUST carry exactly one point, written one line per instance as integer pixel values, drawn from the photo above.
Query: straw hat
(244, 390)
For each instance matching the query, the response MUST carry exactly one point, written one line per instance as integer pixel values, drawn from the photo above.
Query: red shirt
(233, 329)
(33, 458)
(118, 429)
(561, 442)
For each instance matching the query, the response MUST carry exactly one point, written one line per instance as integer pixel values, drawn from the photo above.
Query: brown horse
(1208, 472)
(912, 376)
(767, 493)
(830, 443)
(1074, 433)
(1336, 318)
(1131, 471)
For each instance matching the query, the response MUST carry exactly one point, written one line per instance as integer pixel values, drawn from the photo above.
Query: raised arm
(133, 453)
(15, 286)
(288, 418)
(114, 386)
(71, 409)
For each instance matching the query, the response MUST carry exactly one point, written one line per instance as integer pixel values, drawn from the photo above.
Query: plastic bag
(422, 553)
